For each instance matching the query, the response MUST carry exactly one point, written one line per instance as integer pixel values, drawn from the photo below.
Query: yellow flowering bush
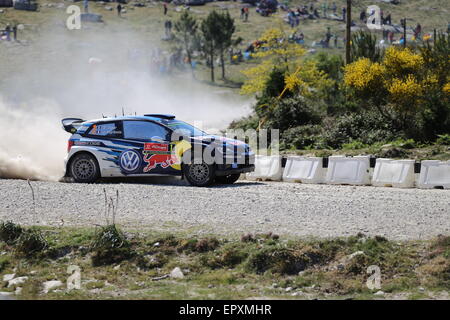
(399, 80)
(308, 80)
(363, 74)
(275, 51)
(405, 93)
(400, 61)
(446, 88)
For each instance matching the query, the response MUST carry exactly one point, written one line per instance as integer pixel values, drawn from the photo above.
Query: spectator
(8, 32)
(165, 8)
(344, 13)
(242, 13)
(119, 9)
(328, 36)
(86, 6)
(246, 11)
(324, 9)
(417, 31)
(316, 13)
(388, 19)
(15, 32)
(168, 28)
(391, 37)
(362, 16)
(334, 7)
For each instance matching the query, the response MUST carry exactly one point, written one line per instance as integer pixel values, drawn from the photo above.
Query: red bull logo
(164, 160)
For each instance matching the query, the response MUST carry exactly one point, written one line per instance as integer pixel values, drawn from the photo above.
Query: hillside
(144, 26)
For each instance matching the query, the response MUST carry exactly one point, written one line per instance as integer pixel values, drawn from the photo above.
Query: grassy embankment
(136, 264)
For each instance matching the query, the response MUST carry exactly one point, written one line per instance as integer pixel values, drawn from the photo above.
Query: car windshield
(184, 128)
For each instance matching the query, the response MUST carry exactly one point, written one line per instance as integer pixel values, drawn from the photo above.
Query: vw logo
(130, 161)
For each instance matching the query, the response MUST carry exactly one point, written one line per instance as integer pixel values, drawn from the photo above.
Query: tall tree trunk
(190, 63)
(188, 52)
(212, 63)
(222, 61)
(348, 32)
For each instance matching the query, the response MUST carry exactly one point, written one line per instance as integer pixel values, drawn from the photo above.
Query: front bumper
(226, 169)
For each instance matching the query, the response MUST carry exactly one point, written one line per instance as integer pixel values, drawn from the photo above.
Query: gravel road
(283, 208)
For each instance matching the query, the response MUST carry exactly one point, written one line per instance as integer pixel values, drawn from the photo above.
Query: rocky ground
(285, 208)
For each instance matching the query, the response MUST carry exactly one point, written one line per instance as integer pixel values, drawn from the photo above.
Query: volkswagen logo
(130, 161)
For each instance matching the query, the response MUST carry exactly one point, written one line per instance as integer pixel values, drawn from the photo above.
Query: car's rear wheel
(230, 179)
(199, 174)
(84, 168)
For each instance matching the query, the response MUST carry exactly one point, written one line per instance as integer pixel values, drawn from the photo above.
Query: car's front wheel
(230, 179)
(199, 174)
(84, 168)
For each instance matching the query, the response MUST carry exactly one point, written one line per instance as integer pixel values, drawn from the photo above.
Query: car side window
(144, 130)
(109, 129)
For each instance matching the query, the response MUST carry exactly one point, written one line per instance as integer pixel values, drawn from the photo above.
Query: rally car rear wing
(71, 125)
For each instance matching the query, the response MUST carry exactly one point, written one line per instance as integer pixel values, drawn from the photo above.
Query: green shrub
(301, 137)
(207, 244)
(30, 242)
(4, 262)
(110, 246)
(109, 237)
(354, 145)
(443, 139)
(10, 232)
(290, 112)
(284, 260)
(406, 144)
(366, 127)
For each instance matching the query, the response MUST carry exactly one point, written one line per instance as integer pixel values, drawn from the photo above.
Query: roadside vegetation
(397, 96)
(150, 265)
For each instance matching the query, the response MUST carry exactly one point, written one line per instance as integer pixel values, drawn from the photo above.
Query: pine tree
(186, 30)
(211, 30)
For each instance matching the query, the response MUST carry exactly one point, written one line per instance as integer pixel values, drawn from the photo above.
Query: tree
(211, 29)
(224, 38)
(407, 88)
(276, 53)
(186, 29)
(218, 30)
(364, 45)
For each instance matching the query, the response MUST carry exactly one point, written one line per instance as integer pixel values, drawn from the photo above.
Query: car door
(104, 140)
(155, 154)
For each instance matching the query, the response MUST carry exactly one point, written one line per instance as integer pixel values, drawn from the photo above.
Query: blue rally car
(153, 144)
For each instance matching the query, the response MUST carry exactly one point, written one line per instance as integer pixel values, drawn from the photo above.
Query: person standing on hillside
(246, 14)
(8, 32)
(165, 8)
(86, 6)
(119, 9)
(328, 36)
(324, 9)
(15, 32)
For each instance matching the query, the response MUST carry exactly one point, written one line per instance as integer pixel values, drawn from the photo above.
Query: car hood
(208, 139)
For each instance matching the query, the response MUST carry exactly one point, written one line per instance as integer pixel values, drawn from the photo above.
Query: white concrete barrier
(434, 174)
(266, 168)
(348, 170)
(394, 173)
(304, 170)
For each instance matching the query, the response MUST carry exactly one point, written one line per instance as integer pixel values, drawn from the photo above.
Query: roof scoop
(162, 116)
